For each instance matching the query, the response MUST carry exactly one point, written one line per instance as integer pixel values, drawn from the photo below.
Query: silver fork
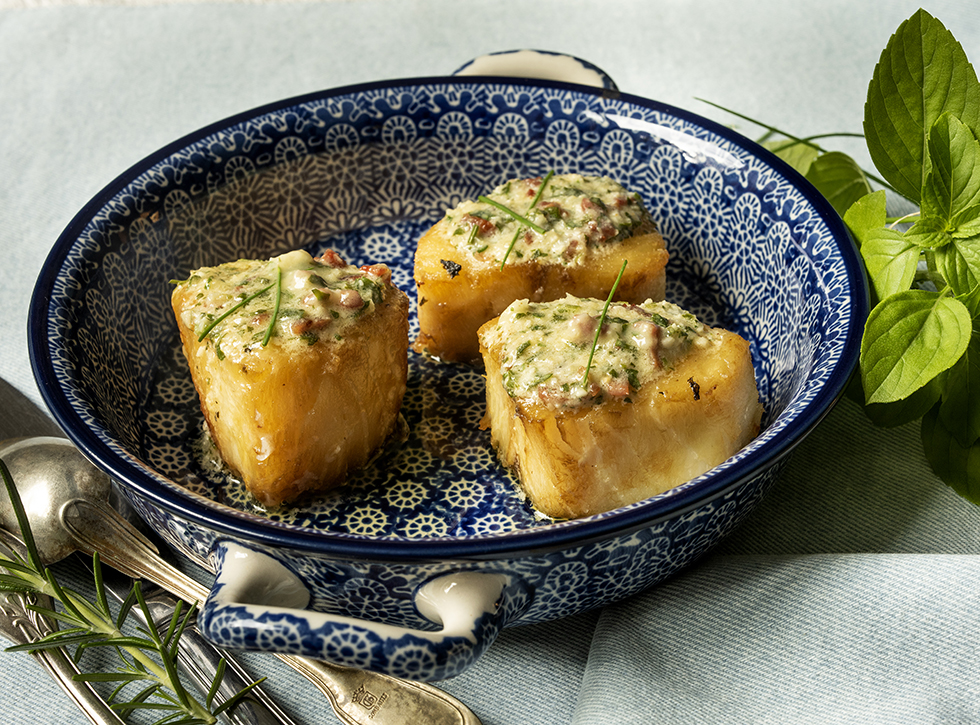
(198, 658)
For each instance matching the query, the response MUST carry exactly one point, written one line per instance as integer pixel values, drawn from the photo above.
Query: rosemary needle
(602, 320)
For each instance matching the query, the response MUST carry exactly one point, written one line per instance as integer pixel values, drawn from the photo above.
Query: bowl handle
(542, 64)
(257, 603)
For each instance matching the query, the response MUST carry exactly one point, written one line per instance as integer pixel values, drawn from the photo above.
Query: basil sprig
(920, 351)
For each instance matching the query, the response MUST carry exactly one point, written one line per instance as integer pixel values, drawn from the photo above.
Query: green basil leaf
(900, 412)
(798, 155)
(909, 338)
(952, 183)
(866, 215)
(966, 224)
(921, 74)
(959, 264)
(957, 465)
(891, 260)
(930, 232)
(838, 177)
(972, 301)
(960, 409)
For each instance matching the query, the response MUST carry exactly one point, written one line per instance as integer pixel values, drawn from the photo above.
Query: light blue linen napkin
(852, 595)
(808, 640)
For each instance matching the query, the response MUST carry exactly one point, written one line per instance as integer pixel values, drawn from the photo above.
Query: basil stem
(602, 320)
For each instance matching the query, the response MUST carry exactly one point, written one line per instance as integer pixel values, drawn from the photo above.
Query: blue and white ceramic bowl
(415, 565)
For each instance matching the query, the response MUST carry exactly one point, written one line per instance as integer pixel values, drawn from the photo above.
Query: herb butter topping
(555, 218)
(544, 348)
(290, 300)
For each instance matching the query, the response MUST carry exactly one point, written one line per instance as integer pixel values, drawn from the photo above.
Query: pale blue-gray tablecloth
(851, 596)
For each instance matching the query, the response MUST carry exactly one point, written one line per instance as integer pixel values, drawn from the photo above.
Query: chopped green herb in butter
(556, 219)
(290, 300)
(544, 348)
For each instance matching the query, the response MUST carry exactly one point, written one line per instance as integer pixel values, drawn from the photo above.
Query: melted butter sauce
(545, 348)
(571, 214)
(293, 300)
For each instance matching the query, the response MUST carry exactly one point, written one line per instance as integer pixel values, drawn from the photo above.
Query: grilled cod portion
(534, 239)
(591, 416)
(300, 364)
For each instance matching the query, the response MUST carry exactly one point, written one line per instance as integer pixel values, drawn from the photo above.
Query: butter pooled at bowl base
(663, 399)
(536, 239)
(300, 364)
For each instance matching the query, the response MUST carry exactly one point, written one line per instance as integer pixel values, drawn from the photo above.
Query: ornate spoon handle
(358, 697)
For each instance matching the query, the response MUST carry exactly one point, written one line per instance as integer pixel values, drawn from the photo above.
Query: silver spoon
(70, 512)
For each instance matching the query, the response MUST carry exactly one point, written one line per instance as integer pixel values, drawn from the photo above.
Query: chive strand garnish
(602, 320)
(544, 183)
(510, 212)
(511, 246)
(534, 201)
(275, 311)
(244, 301)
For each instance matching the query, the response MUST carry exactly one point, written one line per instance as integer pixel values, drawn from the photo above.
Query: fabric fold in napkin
(853, 638)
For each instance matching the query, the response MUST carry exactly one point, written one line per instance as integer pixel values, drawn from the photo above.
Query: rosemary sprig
(149, 656)
(602, 320)
(534, 202)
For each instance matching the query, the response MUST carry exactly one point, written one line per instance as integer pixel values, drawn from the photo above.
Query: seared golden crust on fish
(580, 448)
(478, 259)
(298, 408)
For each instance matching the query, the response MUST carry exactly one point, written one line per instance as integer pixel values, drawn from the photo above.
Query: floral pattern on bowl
(366, 170)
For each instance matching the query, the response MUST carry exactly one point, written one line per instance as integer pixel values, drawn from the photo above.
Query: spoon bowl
(48, 472)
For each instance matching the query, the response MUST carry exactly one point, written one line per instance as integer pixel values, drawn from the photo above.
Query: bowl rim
(228, 522)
